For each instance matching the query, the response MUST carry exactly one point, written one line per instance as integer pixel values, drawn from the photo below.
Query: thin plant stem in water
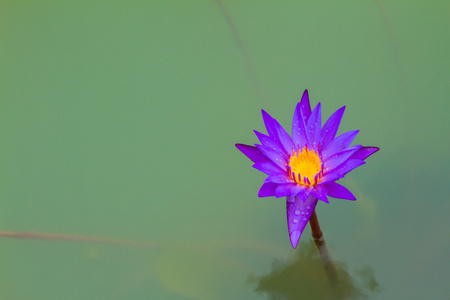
(248, 61)
(322, 248)
(75, 238)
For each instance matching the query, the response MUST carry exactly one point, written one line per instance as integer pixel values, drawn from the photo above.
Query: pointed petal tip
(372, 149)
(341, 108)
(242, 147)
(318, 107)
(365, 152)
(259, 135)
(267, 190)
(319, 192)
(252, 152)
(305, 96)
(336, 190)
(325, 200)
(295, 237)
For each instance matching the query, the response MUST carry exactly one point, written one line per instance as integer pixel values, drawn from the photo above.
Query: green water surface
(118, 119)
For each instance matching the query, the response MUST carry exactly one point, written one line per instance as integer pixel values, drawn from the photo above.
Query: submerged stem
(243, 49)
(322, 248)
(75, 238)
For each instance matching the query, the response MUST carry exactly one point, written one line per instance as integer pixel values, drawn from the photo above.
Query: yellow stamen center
(305, 166)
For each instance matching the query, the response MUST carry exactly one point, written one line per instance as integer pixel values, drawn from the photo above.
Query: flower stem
(74, 238)
(322, 248)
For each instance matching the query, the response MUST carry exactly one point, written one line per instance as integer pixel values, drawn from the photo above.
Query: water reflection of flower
(304, 168)
(302, 277)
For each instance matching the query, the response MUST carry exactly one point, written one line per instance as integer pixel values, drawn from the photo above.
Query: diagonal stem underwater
(322, 248)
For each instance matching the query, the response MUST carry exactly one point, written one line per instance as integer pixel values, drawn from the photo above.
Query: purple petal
(252, 152)
(305, 107)
(339, 143)
(343, 169)
(303, 189)
(280, 178)
(285, 139)
(338, 191)
(299, 209)
(364, 153)
(320, 193)
(331, 127)
(267, 189)
(349, 165)
(299, 127)
(288, 189)
(273, 155)
(268, 167)
(313, 127)
(276, 131)
(272, 143)
(271, 125)
(339, 158)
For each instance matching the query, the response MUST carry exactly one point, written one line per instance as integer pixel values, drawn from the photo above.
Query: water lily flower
(304, 168)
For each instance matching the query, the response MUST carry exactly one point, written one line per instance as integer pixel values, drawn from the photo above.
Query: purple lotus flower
(304, 168)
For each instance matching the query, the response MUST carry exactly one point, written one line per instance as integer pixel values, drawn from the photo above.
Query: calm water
(118, 120)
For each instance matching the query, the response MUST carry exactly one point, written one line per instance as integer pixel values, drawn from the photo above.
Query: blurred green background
(118, 119)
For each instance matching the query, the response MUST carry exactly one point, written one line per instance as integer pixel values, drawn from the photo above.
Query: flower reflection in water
(303, 277)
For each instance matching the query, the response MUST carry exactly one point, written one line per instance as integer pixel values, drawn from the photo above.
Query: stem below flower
(322, 248)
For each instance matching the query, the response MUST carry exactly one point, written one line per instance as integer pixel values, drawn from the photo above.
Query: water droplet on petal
(297, 212)
(308, 207)
(304, 219)
(295, 221)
